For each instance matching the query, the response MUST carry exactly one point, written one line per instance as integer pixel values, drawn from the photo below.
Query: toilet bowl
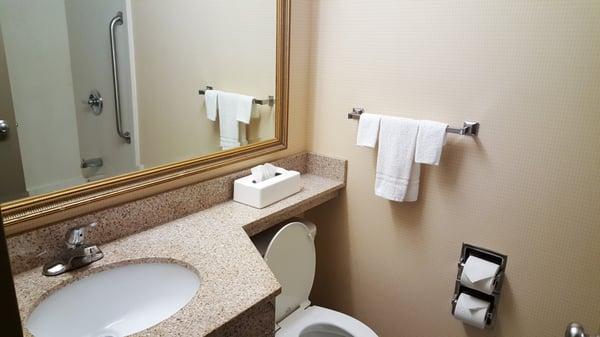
(315, 321)
(290, 253)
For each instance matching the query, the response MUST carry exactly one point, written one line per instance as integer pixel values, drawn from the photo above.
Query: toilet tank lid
(291, 256)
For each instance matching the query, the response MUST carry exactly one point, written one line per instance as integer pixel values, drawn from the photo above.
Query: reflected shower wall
(57, 51)
(89, 44)
(39, 66)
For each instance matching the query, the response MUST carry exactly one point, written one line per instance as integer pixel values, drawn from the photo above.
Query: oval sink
(116, 302)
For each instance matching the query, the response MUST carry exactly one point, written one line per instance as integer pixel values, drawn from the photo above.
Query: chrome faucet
(78, 254)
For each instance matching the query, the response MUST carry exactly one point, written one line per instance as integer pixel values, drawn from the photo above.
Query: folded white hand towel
(430, 141)
(232, 109)
(210, 101)
(397, 176)
(368, 130)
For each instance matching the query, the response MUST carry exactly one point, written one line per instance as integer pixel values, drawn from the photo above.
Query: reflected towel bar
(269, 101)
(468, 129)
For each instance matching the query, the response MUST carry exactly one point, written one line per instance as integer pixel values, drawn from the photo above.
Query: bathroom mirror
(99, 96)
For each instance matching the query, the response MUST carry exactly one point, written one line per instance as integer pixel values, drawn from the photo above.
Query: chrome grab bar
(117, 20)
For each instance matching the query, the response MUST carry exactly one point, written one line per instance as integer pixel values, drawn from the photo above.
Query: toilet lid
(291, 257)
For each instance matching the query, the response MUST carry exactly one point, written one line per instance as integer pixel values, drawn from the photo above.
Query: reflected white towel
(397, 176)
(430, 141)
(210, 101)
(245, 105)
(233, 108)
(368, 130)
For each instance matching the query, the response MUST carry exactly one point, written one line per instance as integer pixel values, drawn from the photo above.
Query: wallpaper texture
(528, 186)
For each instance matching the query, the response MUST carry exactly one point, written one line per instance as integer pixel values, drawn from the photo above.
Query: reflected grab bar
(117, 20)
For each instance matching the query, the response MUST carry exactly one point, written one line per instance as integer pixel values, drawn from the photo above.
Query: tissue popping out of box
(260, 194)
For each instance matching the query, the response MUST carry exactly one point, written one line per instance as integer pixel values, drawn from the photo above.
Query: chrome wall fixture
(117, 20)
(468, 129)
(95, 102)
(576, 330)
(92, 162)
(4, 128)
(269, 101)
(487, 255)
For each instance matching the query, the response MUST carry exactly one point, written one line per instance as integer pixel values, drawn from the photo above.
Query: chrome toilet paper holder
(494, 299)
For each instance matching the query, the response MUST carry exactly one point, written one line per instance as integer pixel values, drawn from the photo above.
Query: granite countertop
(214, 242)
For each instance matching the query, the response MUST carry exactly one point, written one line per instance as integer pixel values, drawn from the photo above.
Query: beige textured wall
(528, 187)
(227, 44)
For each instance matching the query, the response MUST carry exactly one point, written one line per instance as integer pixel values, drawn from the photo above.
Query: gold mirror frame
(25, 214)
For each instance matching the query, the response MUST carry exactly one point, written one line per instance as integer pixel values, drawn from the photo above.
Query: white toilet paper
(479, 274)
(471, 310)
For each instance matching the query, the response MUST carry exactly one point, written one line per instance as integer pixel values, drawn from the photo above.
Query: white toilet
(290, 253)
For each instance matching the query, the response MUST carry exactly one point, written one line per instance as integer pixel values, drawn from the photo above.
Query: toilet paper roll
(479, 274)
(471, 310)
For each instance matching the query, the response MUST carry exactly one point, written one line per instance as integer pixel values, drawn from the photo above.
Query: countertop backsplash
(30, 249)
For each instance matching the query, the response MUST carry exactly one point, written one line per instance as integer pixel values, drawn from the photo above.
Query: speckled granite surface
(27, 249)
(214, 242)
(257, 321)
(233, 275)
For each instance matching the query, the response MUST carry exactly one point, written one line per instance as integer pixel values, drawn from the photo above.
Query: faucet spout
(76, 255)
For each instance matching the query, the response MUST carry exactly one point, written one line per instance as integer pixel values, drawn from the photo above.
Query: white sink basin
(114, 303)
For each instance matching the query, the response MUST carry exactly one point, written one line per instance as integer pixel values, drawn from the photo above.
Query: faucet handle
(76, 236)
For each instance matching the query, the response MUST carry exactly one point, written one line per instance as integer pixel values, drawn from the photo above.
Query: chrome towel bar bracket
(270, 101)
(202, 92)
(468, 129)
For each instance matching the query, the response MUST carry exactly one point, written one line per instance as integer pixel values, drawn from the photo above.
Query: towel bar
(468, 129)
(269, 101)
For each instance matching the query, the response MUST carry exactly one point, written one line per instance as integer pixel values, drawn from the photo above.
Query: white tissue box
(266, 192)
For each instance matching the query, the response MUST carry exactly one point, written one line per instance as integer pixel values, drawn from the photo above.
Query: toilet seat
(316, 321)
(291, 257)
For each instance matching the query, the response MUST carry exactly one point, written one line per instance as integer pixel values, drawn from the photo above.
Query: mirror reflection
(92, 89)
